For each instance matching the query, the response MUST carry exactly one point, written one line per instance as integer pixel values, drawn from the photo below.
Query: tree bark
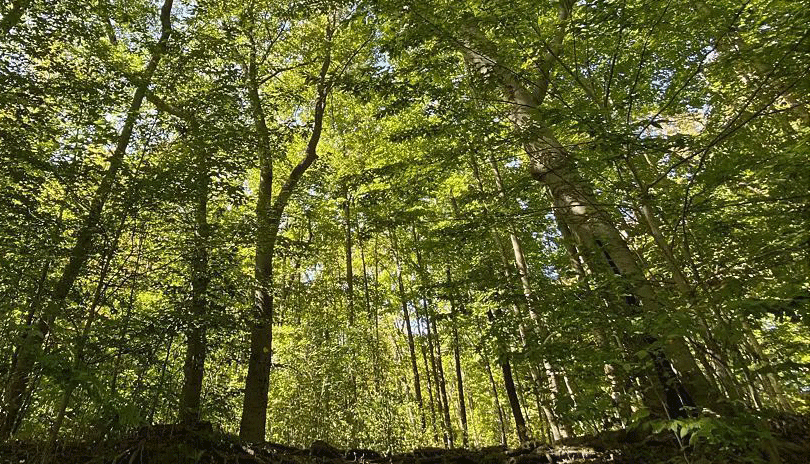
(29, 350)
(407, 319)
(194, 364)
(349, 270)
(450, 438)
(511, 393)
(434, 346)
(431, 399)
(522, 268)
(495, 398)
(604, 248)
(268, 214)
(462, 407)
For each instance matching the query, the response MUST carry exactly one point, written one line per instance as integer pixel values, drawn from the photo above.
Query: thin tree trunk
(496, 398)
(514, 402)
(443, 388)
(457, 358)
(99, 296)
(434, 346)
(511, 393)
(349, 270)
(122, 335)
(431, 398)
(29, 351)
(411, 345)
(194, 364)
(520, 262)
(366, 293)
(769, 379)
(159, 388)
(523, 272)
(36, 303)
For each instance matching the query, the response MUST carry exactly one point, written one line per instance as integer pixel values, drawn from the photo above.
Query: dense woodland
(391, 224)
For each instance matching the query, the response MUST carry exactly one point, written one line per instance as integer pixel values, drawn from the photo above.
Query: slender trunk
(462, 407)
(495, 398)
(29, 351)
(523, 272)
(349, 270)
(407, 319)
(403, 381)
(366, 292)
(514, 402)
(654, 228)
(431, 398)
(253, 422)
(769, 378)
(77, 364)
(520, 262)
(99, 296)
(36, 303)
(194, 364)
(434, 346)
(443, 388)
(159, 389)
(370, 317)
(122, 335)
(511, 393)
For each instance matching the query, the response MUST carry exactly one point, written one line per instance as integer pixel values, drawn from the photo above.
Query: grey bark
(604, 247)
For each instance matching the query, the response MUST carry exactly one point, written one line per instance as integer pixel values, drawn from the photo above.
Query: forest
(443, 230)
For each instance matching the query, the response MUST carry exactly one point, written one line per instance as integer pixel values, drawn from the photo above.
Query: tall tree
(31, 342)
(269, 213)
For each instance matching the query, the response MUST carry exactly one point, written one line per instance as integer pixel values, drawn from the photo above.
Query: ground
(789, 443)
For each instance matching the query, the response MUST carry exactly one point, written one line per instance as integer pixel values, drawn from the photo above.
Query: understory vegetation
(398, 225)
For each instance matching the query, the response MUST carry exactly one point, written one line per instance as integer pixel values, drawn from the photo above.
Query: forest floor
(174, 444)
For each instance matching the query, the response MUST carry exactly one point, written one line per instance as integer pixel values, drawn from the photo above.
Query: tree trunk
(603, 246)
(443, 388)
(431, 398)
(194, 364)
(99, 297)
(462, 407)
(514, 402)
(523, 272)
(511, 393)
(769, 378)
(349, 270)
(496, 398)
(29, 350)
(159, 389)
(407, 319)
(268, 215)
(434, 346)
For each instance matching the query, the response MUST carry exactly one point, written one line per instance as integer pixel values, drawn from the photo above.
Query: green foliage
(688, 121)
